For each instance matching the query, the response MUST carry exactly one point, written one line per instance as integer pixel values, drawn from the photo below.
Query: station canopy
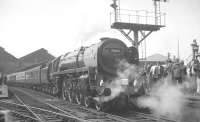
(156, 58)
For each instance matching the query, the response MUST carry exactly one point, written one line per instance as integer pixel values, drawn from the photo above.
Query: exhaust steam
(169, 99)
(125, 72)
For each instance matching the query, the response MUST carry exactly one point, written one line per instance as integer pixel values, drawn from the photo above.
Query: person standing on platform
(177, 73)
(198, 85)
(156, 72)
(198, 78)
(195, 74)
(148, 76)
(183, 70)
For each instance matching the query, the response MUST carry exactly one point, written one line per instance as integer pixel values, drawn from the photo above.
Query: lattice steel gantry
(143, 22)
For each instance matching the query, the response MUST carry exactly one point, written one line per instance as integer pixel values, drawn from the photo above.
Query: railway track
(39, 107)
(72, 111)
(32, 113)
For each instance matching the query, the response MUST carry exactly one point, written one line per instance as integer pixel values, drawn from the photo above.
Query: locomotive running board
(82, 69)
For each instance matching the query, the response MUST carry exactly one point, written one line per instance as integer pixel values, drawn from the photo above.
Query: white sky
(63, 25)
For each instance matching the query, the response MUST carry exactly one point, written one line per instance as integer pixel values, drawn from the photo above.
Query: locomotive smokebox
(110, 52)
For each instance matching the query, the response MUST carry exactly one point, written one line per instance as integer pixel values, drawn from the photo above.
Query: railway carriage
(11, 77)
(43, 75)
(20, 77)
(33, 75)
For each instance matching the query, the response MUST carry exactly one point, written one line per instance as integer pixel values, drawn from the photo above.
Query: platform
(136, 26)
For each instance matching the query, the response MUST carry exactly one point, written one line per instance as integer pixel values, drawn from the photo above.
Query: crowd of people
(176, 72)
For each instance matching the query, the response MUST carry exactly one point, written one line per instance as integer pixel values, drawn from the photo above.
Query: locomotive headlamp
(101, 82)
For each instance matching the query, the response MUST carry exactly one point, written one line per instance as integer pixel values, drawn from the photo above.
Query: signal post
(140, 23)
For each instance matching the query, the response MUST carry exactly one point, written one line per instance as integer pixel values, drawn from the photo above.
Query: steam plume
(168, 99)
(125, 71)
(165, 99)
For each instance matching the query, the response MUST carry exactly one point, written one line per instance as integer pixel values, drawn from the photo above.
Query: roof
(43, 64)
(36, 57)
(156, 57)
(5, 56)
(7, 61)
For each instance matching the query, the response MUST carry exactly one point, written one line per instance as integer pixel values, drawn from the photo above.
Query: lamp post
(195, 49)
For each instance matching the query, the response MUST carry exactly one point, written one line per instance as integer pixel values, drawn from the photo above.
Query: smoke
(165, 100)
(125, 73)
(126, 70)
(116, 87)
(191, 110)
(169, 99)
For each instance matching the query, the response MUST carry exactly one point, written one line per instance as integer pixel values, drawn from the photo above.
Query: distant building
(8, 62)
(153, 59)
(36, 57)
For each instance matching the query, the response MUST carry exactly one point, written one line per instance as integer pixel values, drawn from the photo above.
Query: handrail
(138, 17)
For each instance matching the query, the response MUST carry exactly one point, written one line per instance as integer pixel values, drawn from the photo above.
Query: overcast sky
(63, 25)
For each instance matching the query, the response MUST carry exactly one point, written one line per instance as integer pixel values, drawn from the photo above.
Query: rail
(21, 110)
(81, 113)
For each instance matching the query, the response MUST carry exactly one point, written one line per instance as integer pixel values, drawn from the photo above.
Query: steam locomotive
(85, 76)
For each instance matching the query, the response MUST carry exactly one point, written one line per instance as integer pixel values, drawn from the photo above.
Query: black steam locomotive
(87, 76)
